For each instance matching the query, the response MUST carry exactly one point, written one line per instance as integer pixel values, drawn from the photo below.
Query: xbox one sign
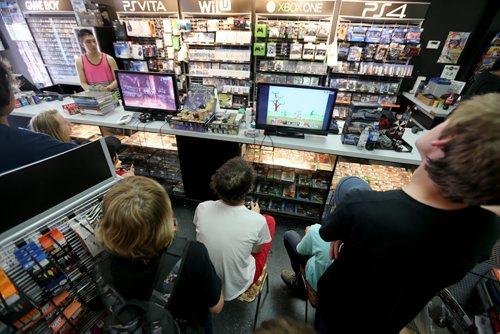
(294, 7)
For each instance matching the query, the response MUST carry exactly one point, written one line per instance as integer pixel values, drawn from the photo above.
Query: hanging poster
(453, 47)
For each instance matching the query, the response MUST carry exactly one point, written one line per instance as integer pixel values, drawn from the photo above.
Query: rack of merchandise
(291, 49)
(152, 43)
(56, 40)
(291, 182)
(374, 54)
(490, 56)
(46, 274)
(219, 55)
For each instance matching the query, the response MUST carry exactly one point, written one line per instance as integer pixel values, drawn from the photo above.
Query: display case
(55, 38)
(291, 182)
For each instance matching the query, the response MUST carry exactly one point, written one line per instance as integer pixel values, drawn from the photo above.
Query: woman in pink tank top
(95, 69)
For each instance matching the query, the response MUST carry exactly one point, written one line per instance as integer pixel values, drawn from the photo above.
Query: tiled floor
(237, 317)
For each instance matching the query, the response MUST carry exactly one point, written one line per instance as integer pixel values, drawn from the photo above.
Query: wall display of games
(153, 43)
(219, 55)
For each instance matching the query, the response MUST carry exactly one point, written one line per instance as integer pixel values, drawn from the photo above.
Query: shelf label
(139, 6)
(45, 6)
(388, 10)
(294, 7)
(216, 6)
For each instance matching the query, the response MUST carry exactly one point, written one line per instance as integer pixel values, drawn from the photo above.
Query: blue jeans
(348, 184)
(291, 240)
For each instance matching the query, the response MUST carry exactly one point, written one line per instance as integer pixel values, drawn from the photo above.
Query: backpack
(141, 316)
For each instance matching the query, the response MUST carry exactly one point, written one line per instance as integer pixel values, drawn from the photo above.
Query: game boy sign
(387, 10)
(45, 6)
(294, 7)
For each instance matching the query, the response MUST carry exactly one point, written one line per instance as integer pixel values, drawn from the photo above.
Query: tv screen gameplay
(301, 108)
(147, 92)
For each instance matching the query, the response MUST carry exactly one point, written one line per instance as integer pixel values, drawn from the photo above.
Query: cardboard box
(427, 99)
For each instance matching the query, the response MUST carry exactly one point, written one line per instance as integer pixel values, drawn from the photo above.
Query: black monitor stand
(284, 133)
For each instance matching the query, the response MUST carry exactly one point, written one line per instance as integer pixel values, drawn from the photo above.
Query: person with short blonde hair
(401, 247)
(136, 228)
(53, 124)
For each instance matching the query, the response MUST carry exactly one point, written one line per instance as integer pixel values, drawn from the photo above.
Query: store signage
(216, 6)
(146, 6)
(45, 6)
(396, 10)
(294, 7)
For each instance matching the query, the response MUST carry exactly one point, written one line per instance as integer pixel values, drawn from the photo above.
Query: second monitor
(153, 93)
(290, 110)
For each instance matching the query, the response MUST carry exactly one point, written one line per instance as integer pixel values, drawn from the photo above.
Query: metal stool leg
(307, 302)
(256, 312)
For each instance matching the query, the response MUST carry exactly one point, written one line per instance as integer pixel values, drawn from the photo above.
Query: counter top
(330, 144)
(431, 111)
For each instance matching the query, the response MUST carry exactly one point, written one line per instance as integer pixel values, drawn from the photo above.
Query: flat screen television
(291, 110)
(148, 92)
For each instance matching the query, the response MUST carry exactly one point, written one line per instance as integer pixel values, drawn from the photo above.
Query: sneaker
(294, 282)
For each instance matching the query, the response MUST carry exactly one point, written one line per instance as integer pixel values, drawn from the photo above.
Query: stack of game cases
(94, 103)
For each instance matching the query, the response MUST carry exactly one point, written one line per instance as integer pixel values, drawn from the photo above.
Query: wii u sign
(295, 7)
(215, 6)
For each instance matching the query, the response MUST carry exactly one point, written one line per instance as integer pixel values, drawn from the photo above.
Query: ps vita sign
(295, 7)
(146, 6)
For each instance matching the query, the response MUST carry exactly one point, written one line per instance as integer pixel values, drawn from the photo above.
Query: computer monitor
(34, 192)
(290, 110)
(147, 92)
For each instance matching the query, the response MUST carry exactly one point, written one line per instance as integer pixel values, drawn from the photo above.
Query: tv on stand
(292, 110)
(153, 94)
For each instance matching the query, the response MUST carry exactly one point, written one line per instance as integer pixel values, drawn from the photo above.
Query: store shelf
(301, 73)
(290, 214)
(216, 76)
(430, 111)
(361, 92)
(288, 198)
(220, 61)
(368, 75)
(382, 104)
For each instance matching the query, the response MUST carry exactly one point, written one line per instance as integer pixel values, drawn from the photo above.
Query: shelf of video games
(45, 275)
(152, 154)
(219, 55)
(151, 44)
(291, 50)
(291, 182)
(381, 177)
(373, 58)
(57, 43)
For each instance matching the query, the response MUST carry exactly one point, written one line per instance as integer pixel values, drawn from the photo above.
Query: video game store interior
(241, 166)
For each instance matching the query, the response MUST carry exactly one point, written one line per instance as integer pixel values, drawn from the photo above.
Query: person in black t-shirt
(137, 226)
(401, 247)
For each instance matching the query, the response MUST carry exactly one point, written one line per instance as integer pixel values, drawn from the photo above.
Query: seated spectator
(19, 147)
(136, 228)
(53, 124)
(114, 145)
(238, 239)
(401, 247)
(309, 252)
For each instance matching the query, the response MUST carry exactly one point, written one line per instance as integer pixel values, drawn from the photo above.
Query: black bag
(140, 316)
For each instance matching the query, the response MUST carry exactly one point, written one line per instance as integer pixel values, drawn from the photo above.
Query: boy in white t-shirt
(238, 239)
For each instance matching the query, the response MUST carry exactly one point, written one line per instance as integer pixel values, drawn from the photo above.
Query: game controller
(248, 204)
(125, 119)
(144, 118)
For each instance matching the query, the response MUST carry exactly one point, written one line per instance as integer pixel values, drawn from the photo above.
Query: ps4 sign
(294, 7)
(384, 10)
(144, 6)
(216, 6)
(45, 6)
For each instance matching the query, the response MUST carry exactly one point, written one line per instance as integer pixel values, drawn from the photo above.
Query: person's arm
(304, 247)
(217, 307)
(264, 236)
(114, 67)
(81, 73)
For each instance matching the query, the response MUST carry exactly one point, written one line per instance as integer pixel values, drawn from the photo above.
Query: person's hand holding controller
(255, 207)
